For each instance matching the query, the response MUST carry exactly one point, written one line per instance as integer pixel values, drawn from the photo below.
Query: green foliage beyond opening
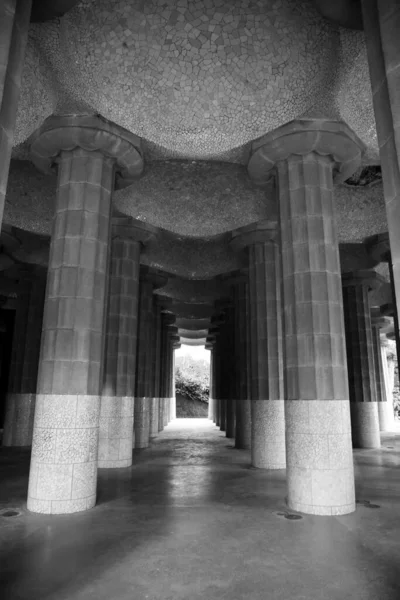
(192, 378)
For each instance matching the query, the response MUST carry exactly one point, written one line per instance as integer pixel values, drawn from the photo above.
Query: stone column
(14, 25)
(306, 153)
(209, 346)
(171, 402)
(167, 321)
(117, 401)
(360, 358)
(21, 397)
(149, 280)
(88, 152)
(229, 371)
(155, 409)
(242, 355)
(381, 24)
(385, 409)
(266, 370)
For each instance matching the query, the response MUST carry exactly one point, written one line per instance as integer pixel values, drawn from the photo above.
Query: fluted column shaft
(217, 379)
(117, 401)
(230, 373)
(360, 360)
(210, 394)
(144, 365)
(155, 412)
(381, 23)
(320, 476)
(65, 440)
(266, 373)
(14, 25)
(21, 397)
(242, 365)
(385, 408)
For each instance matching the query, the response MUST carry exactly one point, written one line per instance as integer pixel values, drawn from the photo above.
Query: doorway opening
(192, 382)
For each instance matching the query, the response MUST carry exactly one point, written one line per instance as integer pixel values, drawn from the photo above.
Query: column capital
(132, 229)
(333, 139)
(90, 133)
(378, 247)
(168, 319)
(235, 277)
(370, 279)
(154, 276)
(255, 233)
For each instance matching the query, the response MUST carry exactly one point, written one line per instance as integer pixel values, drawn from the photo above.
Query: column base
(63, 472)
(18, 424)
(365, 425)
(385, 416)
(320, 476)
(154, 402)
(161, 411)
(268, 434)
(172, 412)
(115, 432)
(230, 418)
(142, 422)
(243, 424)
(166, 411)
(210, 408)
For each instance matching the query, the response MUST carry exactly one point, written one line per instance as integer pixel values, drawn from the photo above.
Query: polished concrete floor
(191, 520)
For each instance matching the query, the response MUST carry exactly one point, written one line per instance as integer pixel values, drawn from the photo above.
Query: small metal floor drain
(289, 516)
(389, 447)
(368, 504)
(9, 512)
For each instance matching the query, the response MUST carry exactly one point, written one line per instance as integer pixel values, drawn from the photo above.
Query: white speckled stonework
(365, 424)
(268, 449)
(63, 472)
(115, 432)
(172, 414)
(320, 475)
(385, 416)
(18, 424)
(154, 416)
(142, 422)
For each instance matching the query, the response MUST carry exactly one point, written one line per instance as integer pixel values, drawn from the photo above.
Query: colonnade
(103, 381)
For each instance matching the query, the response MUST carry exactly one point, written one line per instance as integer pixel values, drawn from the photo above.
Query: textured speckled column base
(365, 425)
(18, 424)
(63, 473)
(172, 412)
(210, 409)
(385, 416)
(115, 432)
(154, 404)
(142, 422)
(160, 414)
(320, 475)
(268, 449)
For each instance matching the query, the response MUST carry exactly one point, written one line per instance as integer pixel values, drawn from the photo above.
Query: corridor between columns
(191, 519)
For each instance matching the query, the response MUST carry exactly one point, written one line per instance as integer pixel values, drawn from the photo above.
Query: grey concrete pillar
(168, 320)
(63, 471)
(305, 153)
(155, 410)
(149, 280)
(116, 431)
(266, 372)
(385, 408)
(381, 24)
(21, 397)
(360, 358)
(14, 25)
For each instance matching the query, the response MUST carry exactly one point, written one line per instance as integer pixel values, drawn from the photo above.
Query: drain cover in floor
(9, 512)
(289, 516)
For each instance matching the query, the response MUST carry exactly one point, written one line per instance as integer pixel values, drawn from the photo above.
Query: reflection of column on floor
(21, 397)
(360, 357)
(385, 407)
(14, 19)
(149, 280)
(63, 471)
(305, 154)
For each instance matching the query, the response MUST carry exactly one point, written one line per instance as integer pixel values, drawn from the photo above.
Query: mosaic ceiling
(195, 78)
